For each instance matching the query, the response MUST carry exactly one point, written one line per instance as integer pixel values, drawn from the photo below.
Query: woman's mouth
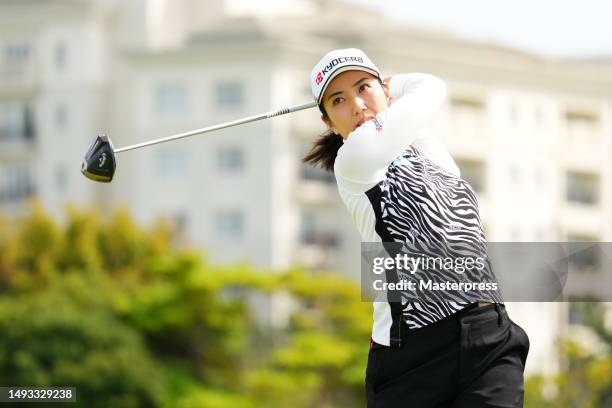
(362, 121)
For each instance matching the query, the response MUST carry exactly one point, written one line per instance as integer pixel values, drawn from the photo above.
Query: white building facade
(532, 135)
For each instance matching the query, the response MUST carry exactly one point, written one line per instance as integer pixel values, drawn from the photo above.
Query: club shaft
(267, 115)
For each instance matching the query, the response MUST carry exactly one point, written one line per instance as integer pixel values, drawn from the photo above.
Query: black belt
(460, 313)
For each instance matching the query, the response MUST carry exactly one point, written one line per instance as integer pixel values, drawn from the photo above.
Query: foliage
(587, 380)
(119, 312)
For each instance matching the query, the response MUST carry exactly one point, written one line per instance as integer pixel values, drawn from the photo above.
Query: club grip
(293, 108)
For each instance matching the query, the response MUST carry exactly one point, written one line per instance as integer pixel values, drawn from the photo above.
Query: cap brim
(341, 70)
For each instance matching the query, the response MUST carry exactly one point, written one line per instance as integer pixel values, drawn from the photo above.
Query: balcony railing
(16, 184)
(21, 75)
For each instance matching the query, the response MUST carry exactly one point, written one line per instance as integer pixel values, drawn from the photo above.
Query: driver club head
(99, 161)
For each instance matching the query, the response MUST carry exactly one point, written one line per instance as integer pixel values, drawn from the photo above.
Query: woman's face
(352, 98)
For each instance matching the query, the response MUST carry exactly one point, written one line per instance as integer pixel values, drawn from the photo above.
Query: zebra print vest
(418, 202)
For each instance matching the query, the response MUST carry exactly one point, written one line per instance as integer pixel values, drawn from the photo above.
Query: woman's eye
(337, 101)
(363, 87)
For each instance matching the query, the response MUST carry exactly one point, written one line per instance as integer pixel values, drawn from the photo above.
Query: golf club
(99, 163)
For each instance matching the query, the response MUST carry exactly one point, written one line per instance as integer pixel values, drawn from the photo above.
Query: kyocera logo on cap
(335, 62)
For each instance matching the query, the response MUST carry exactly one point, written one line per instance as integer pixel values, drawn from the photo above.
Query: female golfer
(400, 185)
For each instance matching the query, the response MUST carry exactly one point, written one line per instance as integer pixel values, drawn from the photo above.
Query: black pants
(474, 358)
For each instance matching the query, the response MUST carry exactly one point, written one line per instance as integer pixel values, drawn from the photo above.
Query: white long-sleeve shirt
(401, 185)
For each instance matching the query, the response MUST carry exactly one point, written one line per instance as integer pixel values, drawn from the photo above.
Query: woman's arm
(428, 143)
(368, 151)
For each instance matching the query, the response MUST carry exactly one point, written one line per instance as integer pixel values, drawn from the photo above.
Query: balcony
(18, 66)
(18, 149)
(582, 219)
(16, 184)
(316, 249)
(17, 130)
(312, 257)
(316, 186)
(585, 147)
(18, 78)
(583, 194)
(316, 193)
(317, 238)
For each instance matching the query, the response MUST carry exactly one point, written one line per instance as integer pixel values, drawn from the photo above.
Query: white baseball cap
(336, 62)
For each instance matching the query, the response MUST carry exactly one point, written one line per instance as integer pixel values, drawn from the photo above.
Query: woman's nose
(358, 105)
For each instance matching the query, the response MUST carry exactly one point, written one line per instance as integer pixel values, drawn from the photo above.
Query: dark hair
(325, 149)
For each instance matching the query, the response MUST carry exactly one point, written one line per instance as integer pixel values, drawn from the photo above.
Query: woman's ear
(387, 89)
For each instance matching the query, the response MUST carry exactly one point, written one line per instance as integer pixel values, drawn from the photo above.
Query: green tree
(586, 381)
(48, 340)
(118, 311)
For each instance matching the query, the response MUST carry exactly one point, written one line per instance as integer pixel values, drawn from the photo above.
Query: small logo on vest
(378, 125)
(413, 232)
(397, 160)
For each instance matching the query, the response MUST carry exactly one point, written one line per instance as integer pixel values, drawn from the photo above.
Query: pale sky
(549, 28)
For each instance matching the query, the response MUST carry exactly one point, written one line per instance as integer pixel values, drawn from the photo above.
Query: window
(229, 224)
(474, 172)
(60, 56)
(15, 183)
(11, 121)
(28, 123)
(16, 54)
(230, 159)
(585, 310)
(308, 229)
(580, 117)
(180, 221)
(459, 102)
(311, 173)
(311, 232)
(584, 253)
(172, 162)
(582, 125)
(229, 95)
(171, 99)
(16, 121)
(61, 116)
(582, 188)
(61, 179)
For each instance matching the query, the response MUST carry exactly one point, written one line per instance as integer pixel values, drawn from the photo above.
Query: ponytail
(325, 149)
